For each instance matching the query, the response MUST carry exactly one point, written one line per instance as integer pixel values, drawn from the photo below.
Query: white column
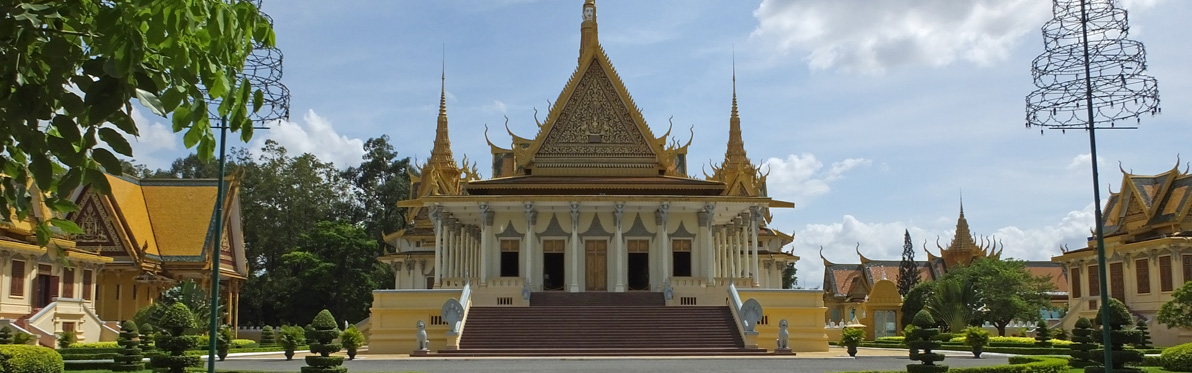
(660, 218)
(453, 249)
(754, 218)
(576, 249)
(486, 230)
(396, 274)
(436, 216)
(722, 260)
(618, 213)
(742, 245)
(708, 244)
(733, 246)
(527, 243)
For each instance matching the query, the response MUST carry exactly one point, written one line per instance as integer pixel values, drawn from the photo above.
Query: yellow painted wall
(119, 296)
(804, 314)
(395, 314)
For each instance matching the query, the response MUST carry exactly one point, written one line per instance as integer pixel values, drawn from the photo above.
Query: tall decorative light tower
(1091, 77)
(263, 70)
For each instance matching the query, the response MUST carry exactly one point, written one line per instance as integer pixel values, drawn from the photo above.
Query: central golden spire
(440, 155)
(735, 154)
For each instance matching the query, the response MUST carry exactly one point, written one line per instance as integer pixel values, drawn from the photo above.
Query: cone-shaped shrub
(1144, 335)
(1082, 343)
(320, 334)
(1042, 334)
(1119, 317)
(5, 336)
(267, 338)
(130, 358)
(148, 335)
(921, 347)
(174, 342)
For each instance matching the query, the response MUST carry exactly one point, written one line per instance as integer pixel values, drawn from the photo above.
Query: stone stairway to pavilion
(600, 324)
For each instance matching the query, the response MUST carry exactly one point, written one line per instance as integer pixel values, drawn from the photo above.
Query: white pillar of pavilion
(576, 252)
(707, 243)
(527, 243)
(743, 245)
(486, 239)
(721, 252)
(660, 218)
(619, 246)
(436, 215)
(754, 218)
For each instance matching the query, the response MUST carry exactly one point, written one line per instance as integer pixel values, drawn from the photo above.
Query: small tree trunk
(1001, 328)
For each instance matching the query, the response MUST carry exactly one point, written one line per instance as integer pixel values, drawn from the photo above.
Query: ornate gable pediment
(99, 227)
(594, 129)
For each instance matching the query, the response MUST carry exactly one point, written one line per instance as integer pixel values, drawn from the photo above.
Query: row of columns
(460, 249)
(458, 246)
(736, 248)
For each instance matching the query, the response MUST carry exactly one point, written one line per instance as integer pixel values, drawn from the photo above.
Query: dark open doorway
(639, 271)
(552, 271)
(45, 288)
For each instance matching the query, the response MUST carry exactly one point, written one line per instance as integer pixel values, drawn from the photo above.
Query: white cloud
(801, 177)
(869, 37)
(315, 136)
(1081, 162)
(883, 241)
(155, 142)
(497, 106)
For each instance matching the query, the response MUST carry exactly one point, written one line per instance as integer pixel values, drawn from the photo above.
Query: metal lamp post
(1090, 75)
(263, 69)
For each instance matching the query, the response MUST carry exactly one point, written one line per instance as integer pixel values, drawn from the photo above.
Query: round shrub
(30, 359)
(176, 319)
(1178, 358)
(267, 338)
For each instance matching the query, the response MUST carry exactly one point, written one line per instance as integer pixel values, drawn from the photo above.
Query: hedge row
(93, 345)
(1023, 364)
(30, 359)
(238, 350)
(89, 365)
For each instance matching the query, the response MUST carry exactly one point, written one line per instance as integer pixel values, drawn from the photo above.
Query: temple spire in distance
(441, 155)
(735, 154)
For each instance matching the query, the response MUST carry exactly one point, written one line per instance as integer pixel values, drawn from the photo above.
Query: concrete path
(835, 360)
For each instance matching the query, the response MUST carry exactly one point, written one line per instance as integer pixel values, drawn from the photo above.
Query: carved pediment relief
(595, 122)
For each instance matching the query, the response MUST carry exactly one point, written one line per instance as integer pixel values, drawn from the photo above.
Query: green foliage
(852, 337)
(790, 276)
(1004, 290)
(921, 346)
(1143, 334)
(71, 69)
(267, 338)
(30, 359)
(5, 335)
(1177, 312)
(130, 358)
(908, 270)
(22, 338)
(65, 339)
(976, 336)
(352, 339)
(914, 301)
(95, 345)
(1042, 334)
(952, 303)
(1023, 364)
(322, 331)
(1178, 358)
(1119, 315)
(923, 319)
(1083, 343)
(176, 318)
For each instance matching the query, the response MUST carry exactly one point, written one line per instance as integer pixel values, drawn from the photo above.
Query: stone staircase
(599, 324)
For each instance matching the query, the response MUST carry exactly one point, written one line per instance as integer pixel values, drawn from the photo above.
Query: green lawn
(1147, 369)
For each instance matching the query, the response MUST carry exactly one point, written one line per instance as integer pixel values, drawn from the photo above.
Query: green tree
(914, 301)
(1005, 291)
(952, 303)
(379, 182)
(908, 270)
(789, 276)
(331, 269)
(69, 70)
(1177, 312)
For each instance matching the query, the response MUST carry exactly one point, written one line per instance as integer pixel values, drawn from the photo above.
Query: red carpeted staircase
(599, 324)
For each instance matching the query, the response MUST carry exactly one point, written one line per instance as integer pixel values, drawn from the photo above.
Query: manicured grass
(1147, 369)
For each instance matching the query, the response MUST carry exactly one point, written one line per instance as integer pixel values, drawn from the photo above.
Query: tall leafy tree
(69, 70)
(330, 269)
(1005, 291)
(952, 303)
(914, 301)
(1177, 312)
(908, 271)
(378, 183)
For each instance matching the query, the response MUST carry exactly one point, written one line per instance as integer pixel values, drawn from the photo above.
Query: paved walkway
(835, 360)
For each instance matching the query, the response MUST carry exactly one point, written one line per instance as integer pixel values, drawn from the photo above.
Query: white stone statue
(423, 341)
(783, 335)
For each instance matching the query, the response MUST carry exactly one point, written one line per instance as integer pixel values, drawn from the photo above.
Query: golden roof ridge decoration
(737, 171)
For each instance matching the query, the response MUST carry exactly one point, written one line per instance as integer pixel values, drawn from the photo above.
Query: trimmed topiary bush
(352, 339)
(976, 337)
(148, 335)
(1144, 335)
(321, 332)
(1119, 317)
(130, 358)
(1178, 358)
(224, 341)
(291, 338)
(30, 359)
(1083, 342)
(925, 329)
(65, 339)
(5, 335)
(267, 336)
(1042, 334)
(174, 342)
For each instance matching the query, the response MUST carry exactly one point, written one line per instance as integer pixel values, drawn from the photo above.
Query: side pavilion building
(595, 202)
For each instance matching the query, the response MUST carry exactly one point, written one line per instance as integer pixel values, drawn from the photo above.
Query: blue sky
(872, 116)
